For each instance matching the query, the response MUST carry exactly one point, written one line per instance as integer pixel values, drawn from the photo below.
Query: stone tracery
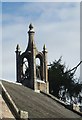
(27, 70)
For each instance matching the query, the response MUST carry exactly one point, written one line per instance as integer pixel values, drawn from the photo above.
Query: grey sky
(56, 24)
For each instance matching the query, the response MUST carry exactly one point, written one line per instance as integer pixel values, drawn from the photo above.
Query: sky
(56, 24)
(41, 0)
(0, 40)
(81, 39)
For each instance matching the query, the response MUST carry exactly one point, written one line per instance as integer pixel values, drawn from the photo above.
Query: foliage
(59, 76)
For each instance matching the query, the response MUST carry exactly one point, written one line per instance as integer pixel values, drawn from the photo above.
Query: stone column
(18, 63)
(32, 49)
(46, 68)
(34, 67)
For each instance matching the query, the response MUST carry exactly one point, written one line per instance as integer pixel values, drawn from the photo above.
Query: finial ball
(30, 26)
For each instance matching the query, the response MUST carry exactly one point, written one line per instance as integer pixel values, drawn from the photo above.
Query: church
(29, 97)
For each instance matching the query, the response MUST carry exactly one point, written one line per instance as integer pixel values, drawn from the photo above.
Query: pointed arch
(39, 69)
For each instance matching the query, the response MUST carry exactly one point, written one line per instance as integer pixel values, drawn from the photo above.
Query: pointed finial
(44, 47)
(17, 48)
(31, 28)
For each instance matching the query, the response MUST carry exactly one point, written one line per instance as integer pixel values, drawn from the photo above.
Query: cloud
(0, 39)
(12, 35)
(41, 0)
(81, 39)
(56, 24)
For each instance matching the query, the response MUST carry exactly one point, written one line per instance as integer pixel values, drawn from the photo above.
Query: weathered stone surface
(23, 114)
(4, 110)
(32, 72)
(36, 104)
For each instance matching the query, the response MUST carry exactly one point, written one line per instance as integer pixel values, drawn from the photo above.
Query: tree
(60, 75)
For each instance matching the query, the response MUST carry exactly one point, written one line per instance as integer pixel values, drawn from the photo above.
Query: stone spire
(17, 62)
(31, 33)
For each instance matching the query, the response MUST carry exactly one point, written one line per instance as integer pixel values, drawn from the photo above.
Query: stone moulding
(12, 106)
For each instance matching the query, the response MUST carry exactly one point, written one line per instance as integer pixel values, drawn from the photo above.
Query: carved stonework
(28, 73)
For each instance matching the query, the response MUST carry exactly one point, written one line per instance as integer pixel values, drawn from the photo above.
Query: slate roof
(36, 104)
(0, 90)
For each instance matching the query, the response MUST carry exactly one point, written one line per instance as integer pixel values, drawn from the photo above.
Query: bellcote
(26, 65)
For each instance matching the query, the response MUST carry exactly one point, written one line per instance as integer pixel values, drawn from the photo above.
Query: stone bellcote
(28, 72)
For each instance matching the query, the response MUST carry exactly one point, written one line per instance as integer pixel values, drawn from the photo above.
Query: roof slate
(36, 104)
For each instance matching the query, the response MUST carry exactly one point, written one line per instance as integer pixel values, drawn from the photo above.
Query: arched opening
(39, 66)
(38, 71)
(26, 69)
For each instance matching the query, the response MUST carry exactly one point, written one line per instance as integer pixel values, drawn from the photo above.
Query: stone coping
(62, 103)
(15, 111)
(38, 105)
